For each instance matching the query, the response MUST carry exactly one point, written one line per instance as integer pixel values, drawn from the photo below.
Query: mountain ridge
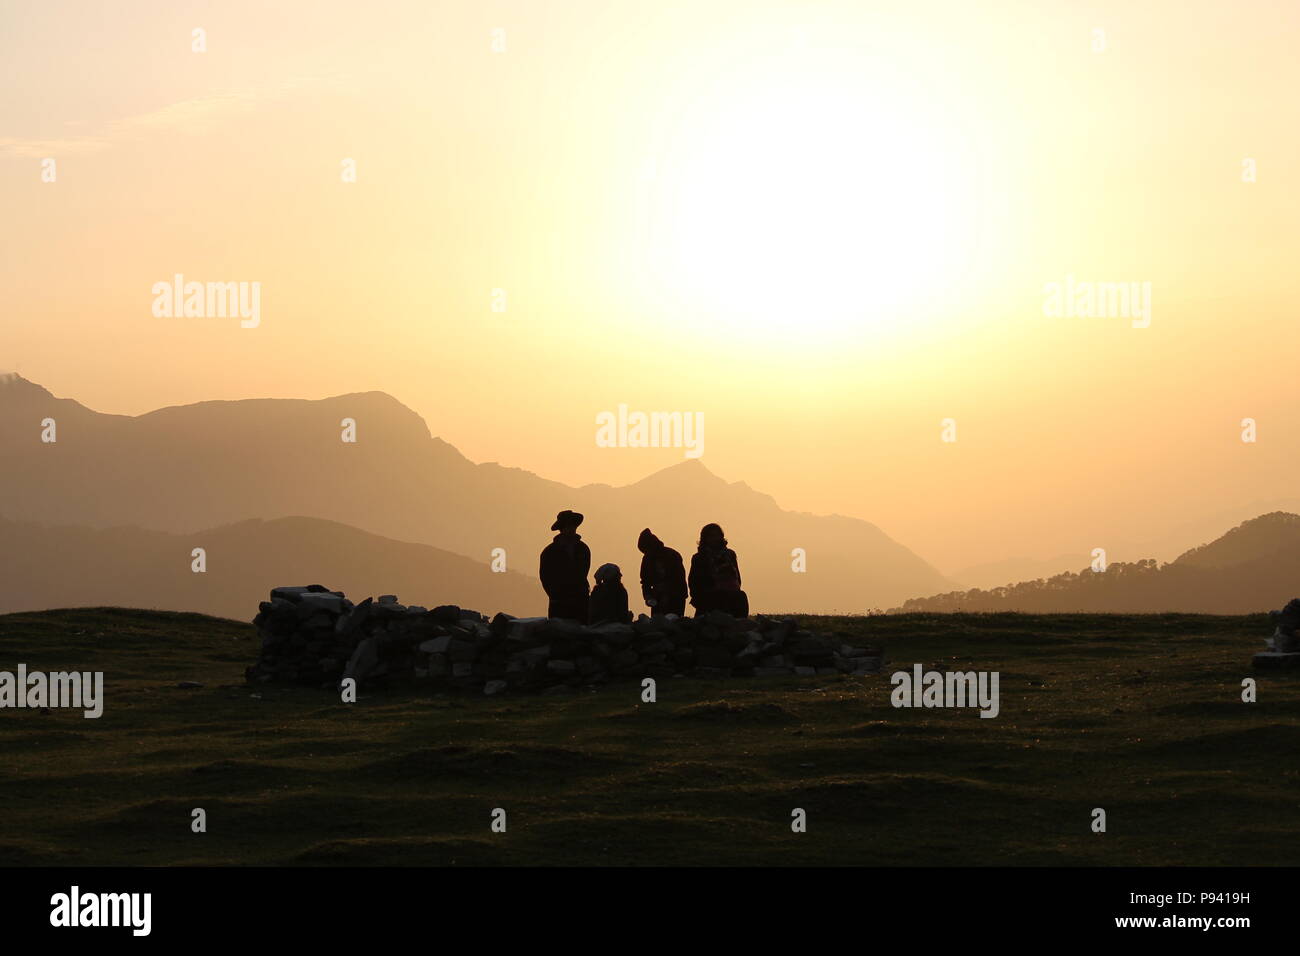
(1252, 567)
(207, 464)
(48, 565)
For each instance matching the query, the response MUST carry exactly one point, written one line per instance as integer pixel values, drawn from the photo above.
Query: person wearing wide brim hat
(567, 519)
(564, 566)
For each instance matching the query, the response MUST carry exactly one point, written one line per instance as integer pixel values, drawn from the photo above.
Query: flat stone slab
(1274, 660)
(323, 602)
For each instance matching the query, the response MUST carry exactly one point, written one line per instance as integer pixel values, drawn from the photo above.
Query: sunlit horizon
(828, 228)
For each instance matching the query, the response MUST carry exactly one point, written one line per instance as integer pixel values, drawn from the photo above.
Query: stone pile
(312, 635)
(1283, 648)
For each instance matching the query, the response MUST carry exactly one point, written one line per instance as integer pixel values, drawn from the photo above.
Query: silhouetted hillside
(1268, 536)
(51, 567)
(215, 463)
(1253, 567)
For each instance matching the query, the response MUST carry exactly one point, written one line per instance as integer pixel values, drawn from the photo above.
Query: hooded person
(609, 597)
(564, 566)
(715, 576)
(663, 576)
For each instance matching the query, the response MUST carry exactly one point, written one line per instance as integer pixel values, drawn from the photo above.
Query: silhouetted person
(663, 576)
(715, 576)
(1286, 637)
(564, 566)
(609, 597)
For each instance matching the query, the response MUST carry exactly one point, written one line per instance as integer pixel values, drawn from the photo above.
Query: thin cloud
(41, 148)
(196, 116)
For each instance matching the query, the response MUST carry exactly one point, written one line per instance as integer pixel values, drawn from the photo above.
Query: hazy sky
(827, 226)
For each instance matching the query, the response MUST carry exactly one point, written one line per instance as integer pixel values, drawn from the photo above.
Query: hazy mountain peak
(382, 403)
(692, 471)
(372, 396)
(24, 396)
(369, 409)
(12, 381)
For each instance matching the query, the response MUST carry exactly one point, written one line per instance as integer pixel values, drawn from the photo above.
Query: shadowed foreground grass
(1139, 715)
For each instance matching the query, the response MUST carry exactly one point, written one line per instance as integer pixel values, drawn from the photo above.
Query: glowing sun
(815, 201)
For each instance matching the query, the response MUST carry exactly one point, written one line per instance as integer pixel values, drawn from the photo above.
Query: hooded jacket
(663, 575)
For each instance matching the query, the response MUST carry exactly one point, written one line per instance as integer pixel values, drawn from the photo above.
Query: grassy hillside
(1139, 715)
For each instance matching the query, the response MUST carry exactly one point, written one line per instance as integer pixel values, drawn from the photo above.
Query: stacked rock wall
(315, 636)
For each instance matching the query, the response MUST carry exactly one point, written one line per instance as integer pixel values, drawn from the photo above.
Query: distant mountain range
(1253, 567)
(197, 473)
(1165, 547)
(46, 567)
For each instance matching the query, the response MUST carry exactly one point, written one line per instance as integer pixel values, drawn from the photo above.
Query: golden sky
(827, 226)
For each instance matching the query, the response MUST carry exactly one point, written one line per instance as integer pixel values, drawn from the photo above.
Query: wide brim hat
(566, 517)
